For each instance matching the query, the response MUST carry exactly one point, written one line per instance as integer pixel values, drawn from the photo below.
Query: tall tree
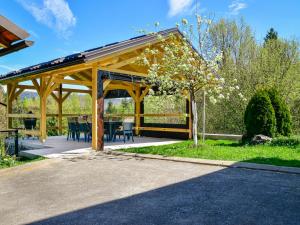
(271, 35)
(236, 41)
(110, 108)
(2, 109)
(181, 70)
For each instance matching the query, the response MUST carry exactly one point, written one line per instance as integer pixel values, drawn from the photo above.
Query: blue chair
(107, 131)
(126, 130)
(89, 133)
(83, 128)
(29, 124)
(73, 131)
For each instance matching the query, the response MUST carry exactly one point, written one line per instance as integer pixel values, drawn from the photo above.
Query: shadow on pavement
(228, 196)
(275, 161)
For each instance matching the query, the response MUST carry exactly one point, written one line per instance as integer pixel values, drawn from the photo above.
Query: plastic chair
(125, 130)
(83, 128)
(29, 124)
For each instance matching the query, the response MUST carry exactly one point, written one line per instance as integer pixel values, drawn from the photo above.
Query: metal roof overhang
(89, 55)
(12, 37)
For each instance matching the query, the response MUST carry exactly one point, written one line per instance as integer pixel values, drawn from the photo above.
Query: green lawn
(228, 150)
(11, 162)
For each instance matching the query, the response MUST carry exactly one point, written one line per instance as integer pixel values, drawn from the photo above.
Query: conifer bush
(259, 116)
(282, 113)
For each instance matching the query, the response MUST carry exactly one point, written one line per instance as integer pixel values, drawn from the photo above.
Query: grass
(12, 161)
(228, 150)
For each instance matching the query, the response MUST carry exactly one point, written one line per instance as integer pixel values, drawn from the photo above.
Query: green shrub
(2, 148)
(51, 127)
(286, 141)
(7, 161)
(260, 116)
(282, 113)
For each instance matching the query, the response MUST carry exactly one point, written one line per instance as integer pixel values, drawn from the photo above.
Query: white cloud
(55, 14)
(236, 6)
(179, 6)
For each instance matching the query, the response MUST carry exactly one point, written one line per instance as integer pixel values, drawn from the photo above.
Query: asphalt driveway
(104, 189)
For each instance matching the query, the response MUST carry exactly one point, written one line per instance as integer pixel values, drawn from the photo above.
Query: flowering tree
(178, 68)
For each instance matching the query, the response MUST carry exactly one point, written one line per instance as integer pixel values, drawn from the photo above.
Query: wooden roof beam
(29, 87)
(74, 82)
(123, 62)
(124, 71)
(65, 71)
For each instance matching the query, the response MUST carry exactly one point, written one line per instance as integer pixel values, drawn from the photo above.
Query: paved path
(102, 189)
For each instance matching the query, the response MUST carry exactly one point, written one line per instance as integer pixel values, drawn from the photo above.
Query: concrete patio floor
(58, 146)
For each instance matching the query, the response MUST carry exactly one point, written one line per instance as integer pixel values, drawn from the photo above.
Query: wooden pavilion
(101, 70)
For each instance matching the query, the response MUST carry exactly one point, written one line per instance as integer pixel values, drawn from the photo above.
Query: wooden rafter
(87, 73)
(123, 63)
(36, 85)
(144, 93)
(84, 75)
(29, 87)
(50, 88)
(132, 95)
(66, 96)
(55, 97)
(124, 71)
(106, 83)
(74, 82)
(16, 95)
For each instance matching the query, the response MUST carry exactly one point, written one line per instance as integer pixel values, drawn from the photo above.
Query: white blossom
(184, 21)
(221, 96)
(212, 99)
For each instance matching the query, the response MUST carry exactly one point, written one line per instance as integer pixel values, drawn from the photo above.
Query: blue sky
(62, 27)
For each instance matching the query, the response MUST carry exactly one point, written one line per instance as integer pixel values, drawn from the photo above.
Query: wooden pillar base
(60, 103)
(94, 108)
(138, 110)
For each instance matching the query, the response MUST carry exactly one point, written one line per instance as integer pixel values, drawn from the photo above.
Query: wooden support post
(43, 109)
(60, 103)
(190, 119)
(9, 106)
(94, 107)
(137, 110)
(100, 112)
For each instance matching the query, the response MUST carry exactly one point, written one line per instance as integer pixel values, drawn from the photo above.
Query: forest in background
(273, 62)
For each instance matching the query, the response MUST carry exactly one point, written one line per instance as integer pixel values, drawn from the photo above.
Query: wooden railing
(115, 115)
(105, 115)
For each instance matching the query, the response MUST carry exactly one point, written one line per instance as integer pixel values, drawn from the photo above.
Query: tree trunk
(204, 117)
(195, 121)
